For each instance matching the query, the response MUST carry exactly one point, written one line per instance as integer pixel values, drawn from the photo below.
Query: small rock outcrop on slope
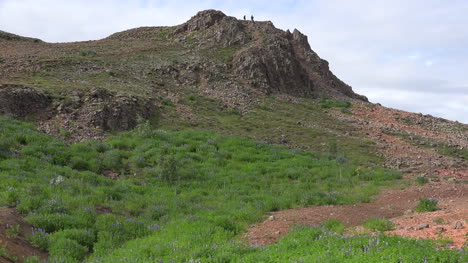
(84, 114)
(20, 101)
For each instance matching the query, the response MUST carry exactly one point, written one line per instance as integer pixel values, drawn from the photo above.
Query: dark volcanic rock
(107, 110)
(285, 63)
(20, 101)
(219, 29)
(266, 58)
(203, 20)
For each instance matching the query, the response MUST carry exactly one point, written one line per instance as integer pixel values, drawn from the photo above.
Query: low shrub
(39, 238)
(379, 224)
(334, 225)
(333, 103)
(66, 250)
(84, 237)
(422, 180)
(426, 205)
(33, 259)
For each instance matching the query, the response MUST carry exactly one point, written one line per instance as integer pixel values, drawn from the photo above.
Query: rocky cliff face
(269, 59)
(257, 57)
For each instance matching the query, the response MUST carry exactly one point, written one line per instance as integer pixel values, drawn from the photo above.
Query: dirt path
(448, 184)
(15, 239)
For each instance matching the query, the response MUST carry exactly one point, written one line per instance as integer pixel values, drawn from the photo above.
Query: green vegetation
(4, 253)
(444, 241)
(426, 205)
(334, 225)
(441, 221)
(34, 259)
(12, 231)
(333, 103)
(422, 180)
(379, 224)
(279, 122)
(308, 244)
(181, 196)
(439, 147)
(226, 54)
(88, 53)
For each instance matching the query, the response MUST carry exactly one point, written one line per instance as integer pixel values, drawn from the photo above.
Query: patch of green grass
(444, 241)
(379, 224)
(225, 55)
(422, 180)
(334, 103)
(279, 122)
(33, 259)
(304, 244)
(334, 225)
(441, 221)
(439, 147)
(426, 205)
(88, 53)
(12, 231)
(5, 254)
(64, 133)
(171, 184)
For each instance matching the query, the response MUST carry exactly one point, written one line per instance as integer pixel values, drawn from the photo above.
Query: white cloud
(405, 54)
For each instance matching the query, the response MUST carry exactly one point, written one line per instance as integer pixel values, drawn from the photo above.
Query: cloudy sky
(405, 54)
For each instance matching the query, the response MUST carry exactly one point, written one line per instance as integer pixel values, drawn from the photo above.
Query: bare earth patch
(17, 246)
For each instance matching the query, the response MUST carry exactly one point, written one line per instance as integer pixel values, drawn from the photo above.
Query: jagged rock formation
(268, 58)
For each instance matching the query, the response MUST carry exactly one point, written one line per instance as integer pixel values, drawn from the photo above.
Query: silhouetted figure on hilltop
(252, 18)
(244, 18)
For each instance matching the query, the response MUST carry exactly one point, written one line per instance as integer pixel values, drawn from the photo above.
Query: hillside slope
(172, 143)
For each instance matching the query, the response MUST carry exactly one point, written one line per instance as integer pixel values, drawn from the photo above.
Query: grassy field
(303, 125)
(184, 196)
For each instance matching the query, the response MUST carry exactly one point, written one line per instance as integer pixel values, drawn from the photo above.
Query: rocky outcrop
(20, 101)
(218, 29)
(105, 110)
(269, 59)
(273, 68)
(202, 20)
(283, 62)
(80, 114)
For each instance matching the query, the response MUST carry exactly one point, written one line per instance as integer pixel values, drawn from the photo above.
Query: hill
(173, 144)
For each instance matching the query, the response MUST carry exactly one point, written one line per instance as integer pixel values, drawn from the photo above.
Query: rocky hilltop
(226, 58)
(210, 71)
(259, 56)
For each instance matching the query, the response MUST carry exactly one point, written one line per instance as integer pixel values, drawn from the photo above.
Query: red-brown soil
(391, 203)
(16, 246)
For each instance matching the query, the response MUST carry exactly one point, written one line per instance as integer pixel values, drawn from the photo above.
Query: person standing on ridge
(252, 17)
(244, 18)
